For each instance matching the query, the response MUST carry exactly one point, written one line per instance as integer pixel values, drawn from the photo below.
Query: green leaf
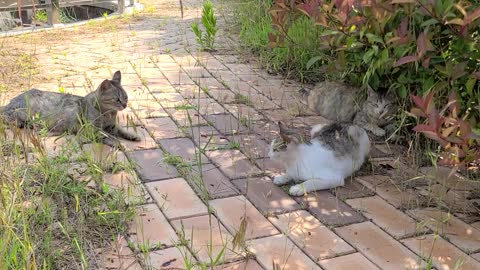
(470, 84)
(312, 61)
(367, 57)
(61, 90)
(429, 22)
(373, 38)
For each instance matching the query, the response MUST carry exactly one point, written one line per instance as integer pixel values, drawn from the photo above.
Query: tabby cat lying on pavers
(61, 113)
(323, 161)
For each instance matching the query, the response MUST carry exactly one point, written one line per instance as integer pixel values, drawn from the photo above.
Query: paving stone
(443, 254)
(162, 128)
(176, 198)
(393, 221)
(453, 200)
(134, 191)
(150, 228)
(192, 92)
(451, 228)
(207, 106)
(170, 100)
(378, 246)
(315, 239)
(222, 95)
(395, 195)
(207, 137)
(146, 142)
(252, 145)
(226, 124)
(476, 225)
(265, 195)
(278, 252)
(103, 155)
(168, 259)
(233, 163)
(266, 129)
(233, 210)
(243, 112)
(451, 179)
(270, 167)
(119, 256)
(213, 180)
(187, 118)
(329, 209)
(351, 190)
(184, 148)
(178, 78)
(240, 265)
(206, 233)
(261, 102)
(476, 256)
(209, 83)
(351, 261)
(150, 165)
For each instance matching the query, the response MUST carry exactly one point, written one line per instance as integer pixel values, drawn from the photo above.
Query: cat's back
(35, 98)
(333, 100)
(342, 139)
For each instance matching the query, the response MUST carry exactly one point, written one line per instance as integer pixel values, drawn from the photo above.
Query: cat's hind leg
(313, 185)
(281, 180)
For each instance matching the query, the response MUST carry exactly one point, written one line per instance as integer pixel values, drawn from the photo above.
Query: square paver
(207, 236)
(162, 128)
(266, 196)
(146, 141)
(169, 259)
(240, 265)
(329, 209)
(453, 229)
(150, 165)
(314, 238)
(351, 261)
(176, 198)
(184, 148)
(187, 117)
(392, 193)
(252, 145)
(210, 179)
(443, 254)
(379, 247)
(233, 163)
(232, 211)
(351, 190)
(393, 221)
(119, 256)
(270, 167)
(227, 124)
(280, 252)
(150, 228)
(206, 106)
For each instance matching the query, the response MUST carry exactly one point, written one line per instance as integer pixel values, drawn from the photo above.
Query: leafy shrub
(460, 145)
(406, 46)
(209, 21)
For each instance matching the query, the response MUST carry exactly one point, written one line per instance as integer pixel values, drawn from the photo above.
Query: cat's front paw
(297, 190)
(280, 180)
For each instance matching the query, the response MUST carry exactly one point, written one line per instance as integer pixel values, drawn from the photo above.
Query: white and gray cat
(67, 113)
(323, 161)
(342, 103)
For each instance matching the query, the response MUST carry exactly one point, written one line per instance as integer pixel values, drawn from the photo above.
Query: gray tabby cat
(65, 112)
(341, 103)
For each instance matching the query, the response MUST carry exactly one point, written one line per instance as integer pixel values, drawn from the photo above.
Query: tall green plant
(206, 39)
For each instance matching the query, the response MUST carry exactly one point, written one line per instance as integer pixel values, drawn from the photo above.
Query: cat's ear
(106, 84)
(286, 134)
(117, 76)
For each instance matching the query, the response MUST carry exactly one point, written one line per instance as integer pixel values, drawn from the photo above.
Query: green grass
(50, 218)
(291, 58)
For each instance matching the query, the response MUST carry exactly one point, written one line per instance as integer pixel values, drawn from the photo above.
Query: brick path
(191, 208)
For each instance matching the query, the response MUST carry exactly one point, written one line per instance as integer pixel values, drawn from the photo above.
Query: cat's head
(380, 106)
(287, 139)
(111, 95)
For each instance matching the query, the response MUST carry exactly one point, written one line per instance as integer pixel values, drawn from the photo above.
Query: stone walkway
(206, 120)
